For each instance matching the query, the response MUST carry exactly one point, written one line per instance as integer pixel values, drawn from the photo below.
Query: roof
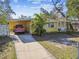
(18, 20)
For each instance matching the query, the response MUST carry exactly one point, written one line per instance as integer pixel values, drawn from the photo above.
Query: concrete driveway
(28, 48)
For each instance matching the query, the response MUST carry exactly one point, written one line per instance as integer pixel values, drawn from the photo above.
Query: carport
(25, 23)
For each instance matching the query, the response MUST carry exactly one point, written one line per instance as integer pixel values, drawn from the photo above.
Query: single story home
(55, 25)
(25, 23)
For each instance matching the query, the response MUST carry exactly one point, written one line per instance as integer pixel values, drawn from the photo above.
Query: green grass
(59, 53)
(52, 30)
(7, 49)
(12, 54)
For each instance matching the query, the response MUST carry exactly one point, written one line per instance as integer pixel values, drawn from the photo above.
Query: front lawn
(7, 50)
(66, 52)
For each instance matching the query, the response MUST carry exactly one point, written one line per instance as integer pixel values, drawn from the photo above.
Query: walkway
(28, 48)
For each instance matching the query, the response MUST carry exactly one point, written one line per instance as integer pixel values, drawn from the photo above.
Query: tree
(3, 19)
(73, 8)
(49, 15)
(2, 16)
(37, 24)
(6, 8)
(5, 11)
(58, 6)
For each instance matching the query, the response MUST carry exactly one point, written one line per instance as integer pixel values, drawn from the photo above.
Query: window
(50, 25)
(61, 24)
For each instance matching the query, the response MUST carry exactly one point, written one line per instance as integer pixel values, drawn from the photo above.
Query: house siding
(60, 23)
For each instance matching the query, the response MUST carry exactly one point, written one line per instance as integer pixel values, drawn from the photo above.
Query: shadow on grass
(4, 42)
(66, 52)
(7, 49)
(61, 38)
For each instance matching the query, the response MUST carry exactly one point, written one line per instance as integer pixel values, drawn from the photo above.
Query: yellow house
(25, 23)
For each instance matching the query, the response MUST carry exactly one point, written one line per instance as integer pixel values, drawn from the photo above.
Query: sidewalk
(31, 49)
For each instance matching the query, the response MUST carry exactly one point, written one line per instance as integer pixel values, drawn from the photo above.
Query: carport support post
(8, 29)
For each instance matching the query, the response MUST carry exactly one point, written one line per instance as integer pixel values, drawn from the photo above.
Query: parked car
(19, 29)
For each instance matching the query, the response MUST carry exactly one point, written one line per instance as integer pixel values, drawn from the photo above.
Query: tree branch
(58, 1)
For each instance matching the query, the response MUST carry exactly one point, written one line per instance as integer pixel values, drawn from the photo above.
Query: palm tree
(38, 23)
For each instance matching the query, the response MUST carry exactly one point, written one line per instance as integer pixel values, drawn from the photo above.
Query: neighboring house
(54, 25)
(59, 23)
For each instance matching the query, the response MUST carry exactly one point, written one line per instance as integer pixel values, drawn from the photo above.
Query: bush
(40, 31)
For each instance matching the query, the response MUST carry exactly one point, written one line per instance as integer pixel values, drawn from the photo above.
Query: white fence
(4, 30)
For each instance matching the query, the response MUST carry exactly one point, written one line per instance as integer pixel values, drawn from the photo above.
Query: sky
(30, 7)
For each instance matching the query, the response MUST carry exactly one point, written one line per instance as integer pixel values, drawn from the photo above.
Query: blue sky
(29, 7)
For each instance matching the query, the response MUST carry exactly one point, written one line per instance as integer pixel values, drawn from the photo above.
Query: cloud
(16, 1)
(25, 11)
(40, 0)
(36, 0)
(2, 0)
(47, 6)
(25, 6)
(29, 10)
(35, 8)
(18, 6)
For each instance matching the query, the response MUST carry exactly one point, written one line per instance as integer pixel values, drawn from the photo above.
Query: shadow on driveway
(26, 38)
